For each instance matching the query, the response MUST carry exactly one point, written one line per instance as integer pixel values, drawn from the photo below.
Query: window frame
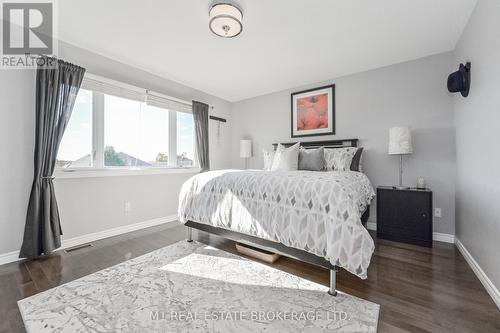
(98, 168)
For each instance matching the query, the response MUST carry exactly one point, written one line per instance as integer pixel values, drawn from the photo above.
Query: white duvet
(319, 212)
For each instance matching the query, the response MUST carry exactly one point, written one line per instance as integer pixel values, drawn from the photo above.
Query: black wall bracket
(218, 119)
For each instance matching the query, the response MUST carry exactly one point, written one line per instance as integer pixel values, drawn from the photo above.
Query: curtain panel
(200, 116)
(57, 85)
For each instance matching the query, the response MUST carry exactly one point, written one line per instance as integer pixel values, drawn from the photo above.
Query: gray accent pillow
(312, 159)
(356, 160)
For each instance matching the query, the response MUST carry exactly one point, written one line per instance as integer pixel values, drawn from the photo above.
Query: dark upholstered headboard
(325, 143)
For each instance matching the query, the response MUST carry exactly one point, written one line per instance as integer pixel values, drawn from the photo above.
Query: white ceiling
(284, 43)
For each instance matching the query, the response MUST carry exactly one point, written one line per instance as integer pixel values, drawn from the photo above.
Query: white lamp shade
(245, 148)
(400, 141)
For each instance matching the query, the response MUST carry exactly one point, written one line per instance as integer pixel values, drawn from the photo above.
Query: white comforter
(318, 212)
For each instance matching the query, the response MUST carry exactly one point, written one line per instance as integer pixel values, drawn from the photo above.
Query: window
(75, 149)
(116, 126)
(135, 134)
(185, 139)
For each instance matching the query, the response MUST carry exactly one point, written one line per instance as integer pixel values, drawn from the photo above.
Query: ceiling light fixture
(225, 20)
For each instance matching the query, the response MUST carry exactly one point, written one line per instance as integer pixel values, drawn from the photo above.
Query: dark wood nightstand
(405, 215)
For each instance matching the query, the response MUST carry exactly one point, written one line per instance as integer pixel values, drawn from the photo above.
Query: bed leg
(190, 234)
(333, 282)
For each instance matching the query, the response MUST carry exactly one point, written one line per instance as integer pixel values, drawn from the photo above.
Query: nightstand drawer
(405, 215)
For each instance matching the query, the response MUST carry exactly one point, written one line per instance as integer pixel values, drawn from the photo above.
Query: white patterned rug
(196, 288)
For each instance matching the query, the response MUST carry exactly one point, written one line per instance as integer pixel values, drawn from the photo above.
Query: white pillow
(268, 159)
(286, 158)
(339, 159)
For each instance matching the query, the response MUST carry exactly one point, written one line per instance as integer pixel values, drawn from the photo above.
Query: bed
(311, 216)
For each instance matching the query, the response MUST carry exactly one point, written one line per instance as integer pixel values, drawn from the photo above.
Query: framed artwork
(313, 112)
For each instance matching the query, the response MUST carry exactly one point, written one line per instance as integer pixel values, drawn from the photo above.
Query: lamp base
(400, 186)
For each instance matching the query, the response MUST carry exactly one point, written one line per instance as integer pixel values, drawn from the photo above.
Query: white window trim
(172, 138)
(97, 130)
(97, 155)
(114, 172)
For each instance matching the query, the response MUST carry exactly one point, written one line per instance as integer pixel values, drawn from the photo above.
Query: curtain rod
(217, 118)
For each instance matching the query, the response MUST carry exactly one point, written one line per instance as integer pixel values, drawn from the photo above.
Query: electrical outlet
(437, 212)
(128, 207)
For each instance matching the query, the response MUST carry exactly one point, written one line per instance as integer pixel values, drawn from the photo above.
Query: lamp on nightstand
(400, 144)
(246, 150)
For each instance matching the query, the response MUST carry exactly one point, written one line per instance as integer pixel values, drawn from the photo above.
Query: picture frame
(313, 112)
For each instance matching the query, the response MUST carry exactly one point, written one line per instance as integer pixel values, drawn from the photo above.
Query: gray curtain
(200, 115)
(57, 84)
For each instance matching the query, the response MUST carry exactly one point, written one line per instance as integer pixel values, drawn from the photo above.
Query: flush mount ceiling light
(225, 20)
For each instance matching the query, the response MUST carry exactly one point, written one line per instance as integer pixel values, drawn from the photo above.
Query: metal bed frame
(275, 246)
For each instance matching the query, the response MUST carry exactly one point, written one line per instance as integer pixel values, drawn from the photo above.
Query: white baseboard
(6, 258)
(371, 226)
(481, 275)
(437, 236)
(65, 243)
(440, 237)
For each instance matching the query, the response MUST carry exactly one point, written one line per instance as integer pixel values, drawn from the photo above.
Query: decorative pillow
(268, 158)
(312, 159)
(286, 158)
(339, 159)
(356, 160)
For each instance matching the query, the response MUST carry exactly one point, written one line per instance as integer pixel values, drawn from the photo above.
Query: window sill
(114, 172)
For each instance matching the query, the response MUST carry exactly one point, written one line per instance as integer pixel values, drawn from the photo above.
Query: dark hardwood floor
(419, 289)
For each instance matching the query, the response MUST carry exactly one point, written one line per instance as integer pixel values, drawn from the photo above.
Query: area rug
(192, 287)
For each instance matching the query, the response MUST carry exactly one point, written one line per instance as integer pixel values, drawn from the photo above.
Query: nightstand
(405, 215)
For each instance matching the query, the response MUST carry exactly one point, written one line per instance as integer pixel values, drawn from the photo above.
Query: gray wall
(88, 205)
(368, 104)
(17, 97)
(477, 121)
